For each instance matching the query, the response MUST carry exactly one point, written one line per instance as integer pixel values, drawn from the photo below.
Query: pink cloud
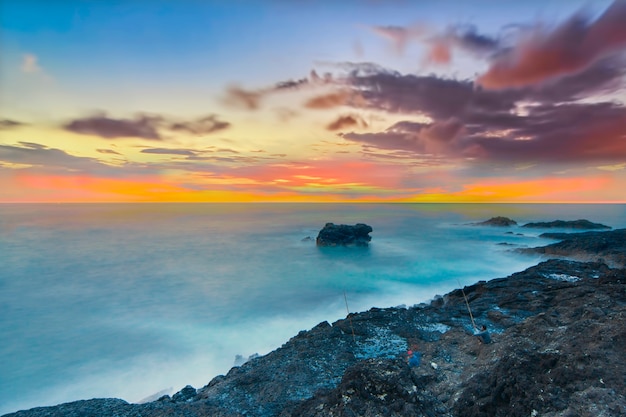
(569, 48)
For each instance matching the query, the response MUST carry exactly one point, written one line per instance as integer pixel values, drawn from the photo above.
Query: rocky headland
(558, 333)
(581, 224)
(606, 247)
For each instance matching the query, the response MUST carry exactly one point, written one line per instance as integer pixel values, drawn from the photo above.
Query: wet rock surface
(558, 333)
(609, 247)
(344, 235)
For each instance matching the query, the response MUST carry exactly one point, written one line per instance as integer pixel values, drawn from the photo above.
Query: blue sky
(115, 62)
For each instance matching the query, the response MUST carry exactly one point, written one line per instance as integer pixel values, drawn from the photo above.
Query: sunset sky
(312, 100)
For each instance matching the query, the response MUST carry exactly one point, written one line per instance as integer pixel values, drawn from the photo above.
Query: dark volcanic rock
(607, 246)
(571, 224)
(344, 235)
(497, 221)
(558, 334)
(374, 387)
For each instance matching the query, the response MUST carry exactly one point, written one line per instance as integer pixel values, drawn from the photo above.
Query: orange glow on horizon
(82, 189)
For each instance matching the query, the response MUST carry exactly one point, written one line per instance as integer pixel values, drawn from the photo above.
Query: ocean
(138, 300)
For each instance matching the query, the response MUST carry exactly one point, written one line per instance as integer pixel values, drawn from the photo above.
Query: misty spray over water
(133, 301)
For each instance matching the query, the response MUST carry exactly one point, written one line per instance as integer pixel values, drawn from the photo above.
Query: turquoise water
(130, 300)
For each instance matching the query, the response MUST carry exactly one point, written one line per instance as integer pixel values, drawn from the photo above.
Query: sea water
(138, 300)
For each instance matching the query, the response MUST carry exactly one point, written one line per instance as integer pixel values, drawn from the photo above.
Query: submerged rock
(582, 224)
(497, 221)
(344, 235)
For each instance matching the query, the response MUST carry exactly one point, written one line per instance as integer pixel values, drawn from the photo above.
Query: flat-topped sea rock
(499, 221)
(581, 224)
(344, 235)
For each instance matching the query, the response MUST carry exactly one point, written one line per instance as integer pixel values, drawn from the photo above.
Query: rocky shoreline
(558, 346)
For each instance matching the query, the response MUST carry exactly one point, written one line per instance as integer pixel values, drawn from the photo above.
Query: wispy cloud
(143, 126)
(400, 36)
(10, 124)
(30, 64)
(108, 151)
(203, 125)
(167, 151)
(41, 156)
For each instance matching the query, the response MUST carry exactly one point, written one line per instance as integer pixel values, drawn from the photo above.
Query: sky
(312, 101)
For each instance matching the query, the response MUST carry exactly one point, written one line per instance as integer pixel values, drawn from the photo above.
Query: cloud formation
(10, 124)
(108, 151)
(242, 98)
(350, 120)
(556, 134)
(143, 126)
(456, 119)
(167, 151)
(399, 36)
(544, 53)
(35, 154)
(30, 64)
(202, 125)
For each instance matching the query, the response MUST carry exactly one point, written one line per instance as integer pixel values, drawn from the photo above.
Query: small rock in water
(344, 235)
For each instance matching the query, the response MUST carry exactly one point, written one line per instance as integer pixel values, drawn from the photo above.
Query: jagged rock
(497, 221)
(344, 235)
(570, 224)
(559, 343)
(374, 387)
(185, 394)
(607, 246)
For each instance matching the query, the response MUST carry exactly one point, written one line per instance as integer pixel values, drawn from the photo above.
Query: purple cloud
(203, 125)
(142, 126)
(546, 53)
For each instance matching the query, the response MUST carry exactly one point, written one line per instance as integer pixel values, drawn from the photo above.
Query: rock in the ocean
(569, 224)
(608, 247)
(344, 235)
(497, 221)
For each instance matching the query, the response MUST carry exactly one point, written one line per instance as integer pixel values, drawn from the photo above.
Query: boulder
(344, 235)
